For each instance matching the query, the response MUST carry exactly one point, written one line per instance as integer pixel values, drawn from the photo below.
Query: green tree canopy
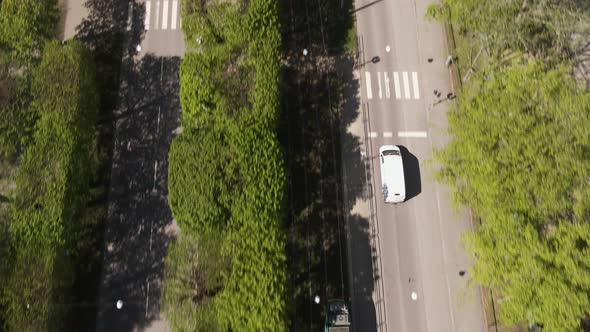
(193, 276)
(203, 179)
(52, 186)
(226, 173)
(25, 25)
(520, 158)
(548, 29)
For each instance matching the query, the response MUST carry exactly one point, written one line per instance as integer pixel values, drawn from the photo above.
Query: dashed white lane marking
(174, 14)
(387, 134)
(157, 14)
(129, 16)
(380, 91)
(165, 15)
(373, 134)
(368, 82)
(415, 85)
(406, 85)
(398, 94)
(155, 174)
(412, 134)
(146, 20)
(386, 79)
(147, 298)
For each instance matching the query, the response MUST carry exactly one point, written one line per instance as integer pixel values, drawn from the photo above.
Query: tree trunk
(4, 199)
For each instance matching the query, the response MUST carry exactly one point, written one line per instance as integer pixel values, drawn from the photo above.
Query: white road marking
(386, 78)
(398, 93)
(387, 134)
(129, 16)
(157, 14)
(373, 134)
(147, 298)
(158, 130)
(412, 134)
(146, 20)
(379, 79)
(415, 82)
(174, 14)
(165, 15)
(406, 85)
(368, 82)
(155, 174)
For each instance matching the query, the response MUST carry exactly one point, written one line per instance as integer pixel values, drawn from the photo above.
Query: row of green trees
(227, 175)
(25, 26)
(47, 134)
(520, 157)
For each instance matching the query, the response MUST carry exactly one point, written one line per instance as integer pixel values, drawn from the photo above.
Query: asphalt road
(418, 243)
(139, 224)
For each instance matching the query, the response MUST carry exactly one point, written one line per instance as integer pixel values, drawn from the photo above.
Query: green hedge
(25, 25)
(227, 174)
(52, 189)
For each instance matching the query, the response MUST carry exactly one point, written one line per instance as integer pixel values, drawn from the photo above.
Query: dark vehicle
(337, 317)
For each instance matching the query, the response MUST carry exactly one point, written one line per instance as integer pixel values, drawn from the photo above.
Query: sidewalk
(72, 12)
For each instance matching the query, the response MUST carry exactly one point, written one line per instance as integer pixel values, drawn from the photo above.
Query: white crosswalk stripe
(164, 16)
(406, 85)
(411, 90)
(174, 14)
(398, 94)
(415, 85)
(380, 90)
(146, 19)
(368, 84)
(157, 14)
(386, 78)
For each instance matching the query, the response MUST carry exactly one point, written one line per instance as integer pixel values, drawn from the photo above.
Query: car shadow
(411, 173)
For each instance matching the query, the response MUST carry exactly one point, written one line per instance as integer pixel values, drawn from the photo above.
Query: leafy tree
(226, 173)
(193, 276)
(52, 186)
(547, 29)
(203, 180)
(25, 25)
(519, 158)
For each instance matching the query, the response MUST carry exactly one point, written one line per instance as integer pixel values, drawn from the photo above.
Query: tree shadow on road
(320, 101)
(140, 221)
(138, 113)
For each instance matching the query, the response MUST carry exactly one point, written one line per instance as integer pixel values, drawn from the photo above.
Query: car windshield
(391, 153)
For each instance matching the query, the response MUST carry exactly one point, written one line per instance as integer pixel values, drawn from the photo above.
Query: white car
(392, 174)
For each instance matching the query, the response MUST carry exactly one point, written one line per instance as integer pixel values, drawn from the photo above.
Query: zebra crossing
(162, 15)
(401, 83)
